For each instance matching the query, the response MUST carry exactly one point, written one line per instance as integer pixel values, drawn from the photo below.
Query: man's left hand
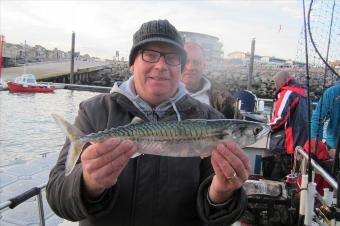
(232, 169)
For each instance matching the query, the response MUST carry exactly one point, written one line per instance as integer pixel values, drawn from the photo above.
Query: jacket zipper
(133, 201)
(156, 173)
(156, 191)
(154, 118)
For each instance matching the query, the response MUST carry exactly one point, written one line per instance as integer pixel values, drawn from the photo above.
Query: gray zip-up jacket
(151, 190)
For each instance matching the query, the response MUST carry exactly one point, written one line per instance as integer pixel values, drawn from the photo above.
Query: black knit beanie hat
(157, 31)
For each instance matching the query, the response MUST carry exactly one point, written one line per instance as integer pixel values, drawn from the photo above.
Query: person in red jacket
(288, 123)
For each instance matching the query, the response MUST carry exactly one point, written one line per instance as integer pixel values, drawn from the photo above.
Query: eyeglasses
(152, 56)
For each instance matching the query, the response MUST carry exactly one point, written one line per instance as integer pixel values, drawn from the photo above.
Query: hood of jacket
(127, 89)
(203, 94)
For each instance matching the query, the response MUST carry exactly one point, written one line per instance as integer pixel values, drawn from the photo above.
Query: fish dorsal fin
(136, 120)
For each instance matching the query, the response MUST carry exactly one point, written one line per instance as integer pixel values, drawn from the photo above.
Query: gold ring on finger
(232, 177)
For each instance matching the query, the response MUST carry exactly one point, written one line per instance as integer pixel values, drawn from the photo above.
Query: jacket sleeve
(315, 127)
(64, 193)
(226, 214)
(283, 108)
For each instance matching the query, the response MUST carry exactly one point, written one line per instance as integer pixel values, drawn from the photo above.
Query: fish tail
(72, 133)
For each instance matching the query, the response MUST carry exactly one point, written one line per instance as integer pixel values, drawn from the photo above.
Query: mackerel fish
(188, 138)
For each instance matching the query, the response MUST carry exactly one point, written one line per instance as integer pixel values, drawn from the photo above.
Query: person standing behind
(108, 187)
(200, 87)
(288, 123)
(330, 111)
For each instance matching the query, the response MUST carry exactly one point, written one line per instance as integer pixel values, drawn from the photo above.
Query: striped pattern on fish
(188, 138)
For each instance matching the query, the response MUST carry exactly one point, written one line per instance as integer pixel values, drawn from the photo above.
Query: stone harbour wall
(232, 78)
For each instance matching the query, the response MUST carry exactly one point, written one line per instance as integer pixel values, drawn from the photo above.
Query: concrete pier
(51, 69)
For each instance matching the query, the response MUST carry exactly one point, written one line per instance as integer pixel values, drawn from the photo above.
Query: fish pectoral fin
(136, 155)
(136, 120)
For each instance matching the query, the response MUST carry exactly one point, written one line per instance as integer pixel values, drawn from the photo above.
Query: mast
(72, 59)
(25, 56)
(251, 64)
(2, 42)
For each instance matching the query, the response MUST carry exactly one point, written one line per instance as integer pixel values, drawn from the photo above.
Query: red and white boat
(28, 83)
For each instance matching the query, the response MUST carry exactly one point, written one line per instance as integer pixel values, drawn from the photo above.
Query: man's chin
(160, 92)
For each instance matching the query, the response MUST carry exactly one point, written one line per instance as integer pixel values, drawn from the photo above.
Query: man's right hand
(103, 162)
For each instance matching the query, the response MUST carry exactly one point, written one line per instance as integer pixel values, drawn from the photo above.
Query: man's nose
(161, 62)
(189, 65)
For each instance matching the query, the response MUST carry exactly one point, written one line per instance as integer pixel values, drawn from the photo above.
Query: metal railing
(17, 200)
(318, 168)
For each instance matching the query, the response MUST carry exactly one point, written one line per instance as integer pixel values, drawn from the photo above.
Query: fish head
(246, 133)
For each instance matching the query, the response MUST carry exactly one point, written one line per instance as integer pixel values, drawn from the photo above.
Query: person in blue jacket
(330, 112)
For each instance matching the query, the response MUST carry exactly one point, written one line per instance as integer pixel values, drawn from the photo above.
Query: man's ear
(131, 69)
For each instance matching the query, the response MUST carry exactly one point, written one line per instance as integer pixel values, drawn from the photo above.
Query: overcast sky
(102, 27)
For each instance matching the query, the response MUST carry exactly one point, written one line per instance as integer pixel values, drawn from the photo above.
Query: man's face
(194, 67)
(156, 82)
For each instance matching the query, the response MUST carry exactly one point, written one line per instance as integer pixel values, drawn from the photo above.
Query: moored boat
(28, 83)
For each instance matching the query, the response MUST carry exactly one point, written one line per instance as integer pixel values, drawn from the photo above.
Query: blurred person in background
(200, 87)
(288, 123)
(328, 118)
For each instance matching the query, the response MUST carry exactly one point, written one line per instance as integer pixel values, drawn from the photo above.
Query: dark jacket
(290, 115)
(151, 190)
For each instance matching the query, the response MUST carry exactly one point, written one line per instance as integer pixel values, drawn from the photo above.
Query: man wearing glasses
(108, 187)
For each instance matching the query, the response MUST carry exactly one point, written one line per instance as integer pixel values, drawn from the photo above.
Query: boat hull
(15, 87)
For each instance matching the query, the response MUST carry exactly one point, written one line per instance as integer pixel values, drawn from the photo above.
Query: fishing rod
(304, 182)
(302, 211)
(308, 94)
(304, 214)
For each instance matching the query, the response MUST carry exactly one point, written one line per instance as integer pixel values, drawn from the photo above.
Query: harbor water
(27, 129)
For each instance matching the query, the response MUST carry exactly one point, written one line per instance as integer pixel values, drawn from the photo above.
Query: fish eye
(257, 131)
(225, 133)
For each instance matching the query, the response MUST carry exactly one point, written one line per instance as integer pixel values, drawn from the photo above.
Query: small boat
(28, 83)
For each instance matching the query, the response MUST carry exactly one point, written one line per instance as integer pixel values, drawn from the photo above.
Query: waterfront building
(244, 58)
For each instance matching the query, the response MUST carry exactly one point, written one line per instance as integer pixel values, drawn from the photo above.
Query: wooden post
(72, 59)
(251, 65)
(2, 45)
(25, 60)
